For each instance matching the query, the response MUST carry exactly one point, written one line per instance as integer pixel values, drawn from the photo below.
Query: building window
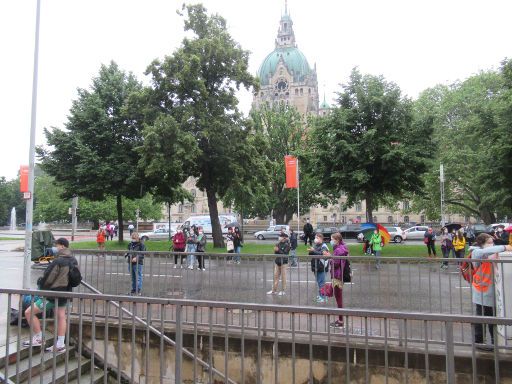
(359, 208)
(261, 94)
(301, 91)
(193, 192)
(325, 219)
(309, 91)
(343, 219)
(180, 208)
(390, 219)
(422, 219)
(406, 205)
(406, 219)
(358, 219)
(296, 91)
(374, 219)
(193, 208)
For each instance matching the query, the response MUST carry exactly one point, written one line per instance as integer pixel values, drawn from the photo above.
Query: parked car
(350, 231)
(482, 228)
(157, 234)
(326, 231)
(397, 234)
(272, 232)
(416, 233)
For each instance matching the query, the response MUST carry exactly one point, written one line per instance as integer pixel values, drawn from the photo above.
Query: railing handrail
(273, 256)
(270, 307)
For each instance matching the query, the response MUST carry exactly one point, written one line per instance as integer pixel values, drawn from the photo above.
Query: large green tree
(11, 197)
(196, 85)
(368, 147)
(285, 133)
(95, 156)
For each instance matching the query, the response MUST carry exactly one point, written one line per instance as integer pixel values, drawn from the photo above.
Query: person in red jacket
(178, 245)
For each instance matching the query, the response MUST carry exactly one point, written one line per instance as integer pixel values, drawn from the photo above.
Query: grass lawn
(11, 238)
(391, 250)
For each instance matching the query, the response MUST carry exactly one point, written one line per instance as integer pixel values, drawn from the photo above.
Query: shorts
(50, 303)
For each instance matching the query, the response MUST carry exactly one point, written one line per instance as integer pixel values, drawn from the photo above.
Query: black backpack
(74, 275)
(347, 274)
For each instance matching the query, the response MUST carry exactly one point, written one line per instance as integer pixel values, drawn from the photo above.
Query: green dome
(294, 60)
(324, 105)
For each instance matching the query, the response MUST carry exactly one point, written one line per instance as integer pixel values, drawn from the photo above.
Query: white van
(205, 222)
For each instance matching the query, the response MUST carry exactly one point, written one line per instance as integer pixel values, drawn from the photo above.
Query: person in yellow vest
(482, 286)
(459, 244)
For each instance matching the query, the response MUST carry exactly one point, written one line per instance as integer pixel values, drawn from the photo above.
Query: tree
(196, 86)
(10, 196)
(368, 147)
(95, 156)
(284, 131)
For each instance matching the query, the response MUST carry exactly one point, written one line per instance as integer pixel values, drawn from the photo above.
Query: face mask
(333, 243)
(200, 232)
(500, 229)
(54, 250)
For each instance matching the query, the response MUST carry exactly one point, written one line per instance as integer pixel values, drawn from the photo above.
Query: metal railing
(175, 340)
(402, 284)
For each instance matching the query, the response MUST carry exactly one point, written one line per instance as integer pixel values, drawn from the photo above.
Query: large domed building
(285, 74)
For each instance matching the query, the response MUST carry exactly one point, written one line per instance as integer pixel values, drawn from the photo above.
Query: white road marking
(462, 287)
(144, 274)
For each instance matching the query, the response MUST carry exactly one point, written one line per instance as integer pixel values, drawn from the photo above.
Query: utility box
(503, 292)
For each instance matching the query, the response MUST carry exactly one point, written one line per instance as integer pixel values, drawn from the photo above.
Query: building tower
(285, 75)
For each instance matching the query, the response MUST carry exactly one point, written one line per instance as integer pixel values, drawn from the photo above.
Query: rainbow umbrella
(368, 229)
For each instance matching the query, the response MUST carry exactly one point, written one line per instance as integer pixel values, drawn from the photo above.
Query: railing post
(179, 344)
(450, 357)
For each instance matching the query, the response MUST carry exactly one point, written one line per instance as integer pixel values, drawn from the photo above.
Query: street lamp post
(30, 201)
(441, 179)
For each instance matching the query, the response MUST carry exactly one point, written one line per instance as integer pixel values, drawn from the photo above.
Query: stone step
(97, 377)
(74, 364)
(39, 362)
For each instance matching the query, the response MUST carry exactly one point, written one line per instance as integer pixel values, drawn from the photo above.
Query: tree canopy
(95, 156)
(196, 86)
(368, 147)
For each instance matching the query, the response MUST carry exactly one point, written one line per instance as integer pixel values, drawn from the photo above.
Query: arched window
(309, 91)
(359, 207)
(406, 219)
(180, 208)
(422, 219)
(301, 91)
(296, 91)
(390, 219)
(193, 208)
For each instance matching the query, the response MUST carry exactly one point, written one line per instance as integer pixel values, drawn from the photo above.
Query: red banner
(24, 178)
(291, 165)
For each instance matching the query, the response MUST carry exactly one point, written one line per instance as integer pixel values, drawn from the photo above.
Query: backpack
(74, 275)
(466, 269)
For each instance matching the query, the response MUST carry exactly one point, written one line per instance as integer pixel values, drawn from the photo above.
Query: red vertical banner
(24, 178)
(292, 172)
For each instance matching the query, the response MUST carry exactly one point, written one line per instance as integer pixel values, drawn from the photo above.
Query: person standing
(446, 246)
(178, 245)
(237, 244)
(470, 234)
(308, 233)
(376, 244)
(459, 244)
(293, 248)
(131, 228)
(55, 278)
(201, 248)
(230, 243)
(429, 238)
(282, 249)
(136, 263)
(100, 238)
(319, 265)
(337, 267)
(191, 236)
(482, 286)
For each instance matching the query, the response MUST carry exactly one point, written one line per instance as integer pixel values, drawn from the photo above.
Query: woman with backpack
(200, 248)
(482, 285)
(337, 268)
(136, 263)
(459, 244)
(178, 245)
(319, 265)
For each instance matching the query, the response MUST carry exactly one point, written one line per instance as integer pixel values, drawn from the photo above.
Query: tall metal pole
(30, 201)
(74, 207)
(441, 179)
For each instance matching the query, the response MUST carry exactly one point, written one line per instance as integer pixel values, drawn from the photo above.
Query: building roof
(294, 60)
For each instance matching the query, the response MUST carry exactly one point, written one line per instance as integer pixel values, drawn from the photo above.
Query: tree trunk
(119, 205)
(218, 241)
(369, 208)
(487, 216)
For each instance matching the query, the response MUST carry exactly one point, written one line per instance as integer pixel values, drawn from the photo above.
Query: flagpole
(298, 198)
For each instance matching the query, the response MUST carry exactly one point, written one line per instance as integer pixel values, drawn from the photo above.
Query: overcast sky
(415, 43)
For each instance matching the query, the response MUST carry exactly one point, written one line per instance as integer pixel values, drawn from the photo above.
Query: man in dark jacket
(308, 233)
(55, 278)
(293, 248)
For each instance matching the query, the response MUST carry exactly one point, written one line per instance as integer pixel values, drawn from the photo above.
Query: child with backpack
(178, 245)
